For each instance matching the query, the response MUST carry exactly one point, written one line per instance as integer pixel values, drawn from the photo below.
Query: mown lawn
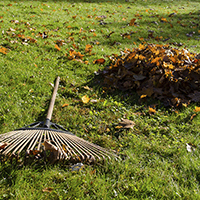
(40, 40)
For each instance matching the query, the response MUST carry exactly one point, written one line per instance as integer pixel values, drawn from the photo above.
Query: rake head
(38, 138)
(61, 144)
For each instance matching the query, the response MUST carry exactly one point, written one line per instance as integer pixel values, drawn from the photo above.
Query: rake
(39, 137)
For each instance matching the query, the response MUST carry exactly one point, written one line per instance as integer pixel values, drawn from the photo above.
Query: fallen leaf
(57, 47)
(3, 50)
(99, 61)
(132, 22)
(197, 109)
(47, 189)
(152, 110)
(126, 123)
(159, 71)
(65, 105)
(3, 145)
(85, 99)
(87, 88)
(56, 153)
(143, 96)
(192, 117)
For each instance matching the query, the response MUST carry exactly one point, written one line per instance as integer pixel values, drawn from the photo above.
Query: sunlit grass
(156, 163)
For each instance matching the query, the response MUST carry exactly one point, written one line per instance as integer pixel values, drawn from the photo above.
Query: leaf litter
(159, 71)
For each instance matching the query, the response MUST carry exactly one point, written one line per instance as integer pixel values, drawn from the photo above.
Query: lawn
(77, 40)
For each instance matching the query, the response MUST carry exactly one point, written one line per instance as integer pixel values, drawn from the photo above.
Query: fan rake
(39, 137)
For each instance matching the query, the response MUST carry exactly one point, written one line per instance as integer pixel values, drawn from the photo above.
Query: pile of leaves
(169, 74)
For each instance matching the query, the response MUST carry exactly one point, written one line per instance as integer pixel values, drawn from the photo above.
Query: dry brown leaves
(169, 74)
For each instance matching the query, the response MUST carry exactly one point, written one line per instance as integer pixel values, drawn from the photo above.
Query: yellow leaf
(197, 109)
(87, 88)
(151, 110)
(141, 47)
(141, 38)
(143, 96)
(118, 127)
(85, 99)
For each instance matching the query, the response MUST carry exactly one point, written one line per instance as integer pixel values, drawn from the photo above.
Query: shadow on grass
(129, 97)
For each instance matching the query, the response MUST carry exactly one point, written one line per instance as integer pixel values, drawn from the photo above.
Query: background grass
(157, 164)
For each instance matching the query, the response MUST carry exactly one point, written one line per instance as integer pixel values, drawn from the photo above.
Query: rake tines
(62, 143)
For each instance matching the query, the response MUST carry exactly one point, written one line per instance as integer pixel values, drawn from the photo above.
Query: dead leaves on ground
(169, 74)
(126, 124)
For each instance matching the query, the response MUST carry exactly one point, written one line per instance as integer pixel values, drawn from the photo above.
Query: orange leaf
(141, 38)
(192, 117)
(57, 47)
(3, 50)
(99, 61)
(151, 110)
(65, 105)
(141, 47)
(163, 19)
(197, 109)
(88, 48)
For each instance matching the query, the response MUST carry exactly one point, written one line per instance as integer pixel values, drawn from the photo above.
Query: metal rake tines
(38, 137)
(68, 145)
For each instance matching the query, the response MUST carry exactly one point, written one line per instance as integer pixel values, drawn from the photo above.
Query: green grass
(156, 163)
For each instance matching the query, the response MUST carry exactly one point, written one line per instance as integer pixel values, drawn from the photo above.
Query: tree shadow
(129, 97)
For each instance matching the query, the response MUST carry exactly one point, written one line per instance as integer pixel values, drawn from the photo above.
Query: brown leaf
(192, 117)
(47, 189)
(163, 72)
(99, 61)
(132, 22)
(126, 123)
(3, 145)
(56, 153)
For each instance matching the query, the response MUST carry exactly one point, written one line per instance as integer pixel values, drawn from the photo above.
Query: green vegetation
(37, 38)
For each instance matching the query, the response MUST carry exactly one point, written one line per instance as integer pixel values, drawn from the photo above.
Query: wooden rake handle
(51, 105)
